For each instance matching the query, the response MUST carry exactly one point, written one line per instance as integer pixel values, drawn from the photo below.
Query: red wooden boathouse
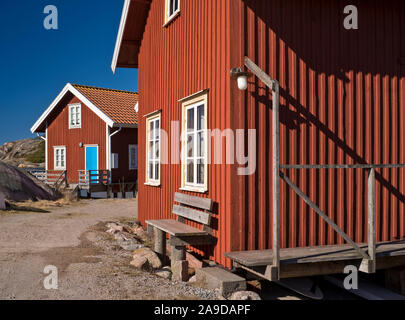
(342, 102)
(91, 129)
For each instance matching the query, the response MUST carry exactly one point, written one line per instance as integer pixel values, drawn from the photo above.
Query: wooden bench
(181, 235)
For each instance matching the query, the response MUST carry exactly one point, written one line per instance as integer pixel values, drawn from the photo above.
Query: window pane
(200, 172)
(200, 118)
(190, 119)
(200, 144)
(151, 129)
(150, 152)
(78, 115)
(156, 150)
(157, 129)
(156, 170)
(190, 171)
(151, 170)
(190, 145)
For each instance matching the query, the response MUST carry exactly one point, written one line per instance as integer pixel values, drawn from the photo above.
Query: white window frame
(194, 103)
(71, 107)
(135, 147)
(169, 16)
(156, 161)
(55, 162)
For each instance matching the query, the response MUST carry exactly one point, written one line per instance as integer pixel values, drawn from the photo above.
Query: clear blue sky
(36, 63)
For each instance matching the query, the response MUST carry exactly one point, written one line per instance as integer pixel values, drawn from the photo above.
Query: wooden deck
(317, 260)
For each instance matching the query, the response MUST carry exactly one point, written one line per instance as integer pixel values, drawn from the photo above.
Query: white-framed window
(172, 9)
(114, 161)
(153, 125)
(75, 116)
(59, 158)
(195, 145)
(133, 156)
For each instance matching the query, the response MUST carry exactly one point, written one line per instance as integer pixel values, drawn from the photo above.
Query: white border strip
(81, 97)
(120, 35)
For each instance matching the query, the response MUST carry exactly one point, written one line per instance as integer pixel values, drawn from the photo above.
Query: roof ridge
(100, 88)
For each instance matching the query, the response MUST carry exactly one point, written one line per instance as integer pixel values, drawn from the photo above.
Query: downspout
(46, 146)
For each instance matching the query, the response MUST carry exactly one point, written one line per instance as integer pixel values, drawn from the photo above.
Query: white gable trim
(121, 29)
(81, 97)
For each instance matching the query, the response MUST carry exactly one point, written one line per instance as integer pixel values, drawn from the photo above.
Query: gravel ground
(90, 264)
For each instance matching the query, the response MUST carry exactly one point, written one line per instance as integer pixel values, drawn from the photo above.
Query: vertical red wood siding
(92, 132)
(189, 55)
(342, 101)
(120, 144)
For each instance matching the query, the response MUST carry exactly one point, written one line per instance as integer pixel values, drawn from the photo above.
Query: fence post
(371, 220)
(275, 269)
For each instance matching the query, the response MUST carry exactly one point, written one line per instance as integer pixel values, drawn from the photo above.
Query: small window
(75, 116)
(114, 161)
(194, 158)
(133, 157)
(172, 8)
(60, 158)
(153, 150)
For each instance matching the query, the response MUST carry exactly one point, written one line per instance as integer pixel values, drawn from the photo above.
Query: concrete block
(119, 195)
(193, 261)
(217, 278)
(2, 202)
(99, 195)
(83, 194)
(129, 195)
(180, 270)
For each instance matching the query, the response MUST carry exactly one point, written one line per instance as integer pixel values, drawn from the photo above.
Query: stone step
(217, 278)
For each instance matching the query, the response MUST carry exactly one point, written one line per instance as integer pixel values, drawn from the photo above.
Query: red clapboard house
(89, 129)
(335, 88)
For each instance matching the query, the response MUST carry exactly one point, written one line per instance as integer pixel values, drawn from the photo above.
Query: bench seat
(176, 228)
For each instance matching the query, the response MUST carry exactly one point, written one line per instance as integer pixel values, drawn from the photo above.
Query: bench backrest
(195, 213)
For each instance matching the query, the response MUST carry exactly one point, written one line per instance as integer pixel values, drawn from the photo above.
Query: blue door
(92, 160)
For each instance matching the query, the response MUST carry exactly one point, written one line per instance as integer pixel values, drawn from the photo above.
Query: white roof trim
(120, 35)
(81, 97)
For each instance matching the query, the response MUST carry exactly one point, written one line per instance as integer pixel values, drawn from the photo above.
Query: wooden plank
(305, 255)
(341, 166)
(175, 228)
(197, 202)
(191, 214)
(324, 216)
(263, 76)
(192, 240)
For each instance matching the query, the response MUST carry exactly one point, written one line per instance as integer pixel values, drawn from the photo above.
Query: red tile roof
(118, 105)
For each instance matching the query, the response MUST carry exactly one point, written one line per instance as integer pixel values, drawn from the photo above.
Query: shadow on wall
(341, 101)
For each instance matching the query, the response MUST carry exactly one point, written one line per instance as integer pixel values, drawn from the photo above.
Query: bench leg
(177, 253)
(179, 263)
(160, 244)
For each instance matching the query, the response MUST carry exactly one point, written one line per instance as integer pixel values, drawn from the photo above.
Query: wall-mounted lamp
(242, 77)
(81, 144)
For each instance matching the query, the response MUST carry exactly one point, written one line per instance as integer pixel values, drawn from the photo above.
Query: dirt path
(89, 265)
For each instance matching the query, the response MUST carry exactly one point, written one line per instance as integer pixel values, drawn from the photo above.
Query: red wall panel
(92, 132)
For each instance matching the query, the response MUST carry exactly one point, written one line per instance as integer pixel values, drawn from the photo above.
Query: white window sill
(194, 189)
(171, 18)
(59, 169)
(152, 184)
(75, 127)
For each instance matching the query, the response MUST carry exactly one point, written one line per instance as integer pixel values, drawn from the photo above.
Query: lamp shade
(242, 82)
